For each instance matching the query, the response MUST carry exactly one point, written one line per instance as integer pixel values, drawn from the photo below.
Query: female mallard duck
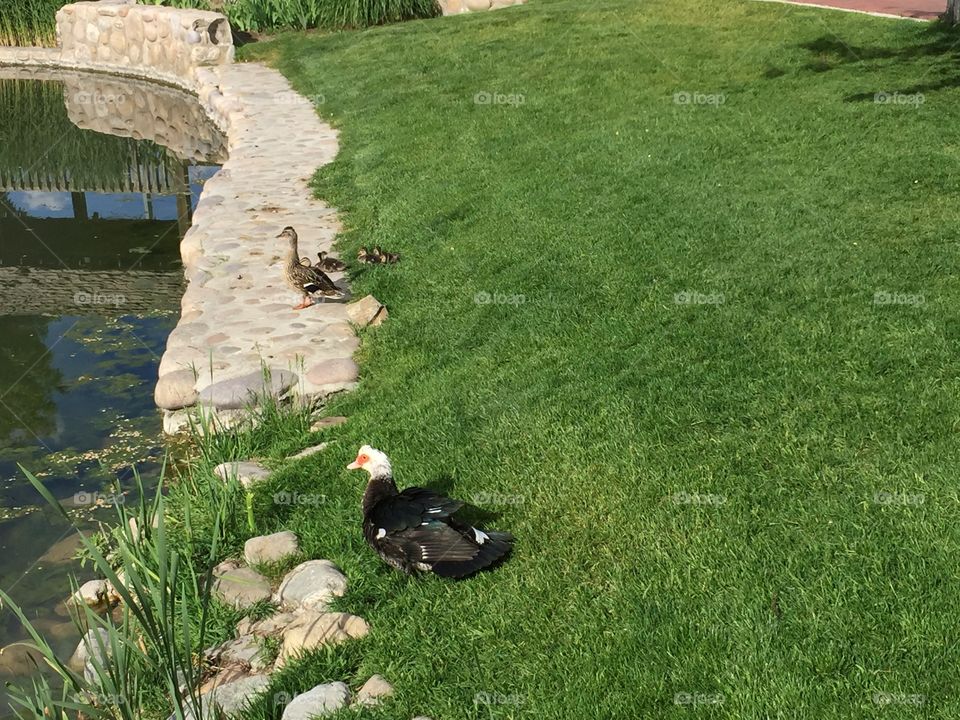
(330, 264)
(308, 281)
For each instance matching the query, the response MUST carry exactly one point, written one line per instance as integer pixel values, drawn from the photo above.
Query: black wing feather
(411, 508)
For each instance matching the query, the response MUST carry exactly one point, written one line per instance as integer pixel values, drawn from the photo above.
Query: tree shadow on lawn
(939, 42)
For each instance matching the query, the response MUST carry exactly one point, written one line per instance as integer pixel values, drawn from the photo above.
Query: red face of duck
(372, 460)
(362, 459)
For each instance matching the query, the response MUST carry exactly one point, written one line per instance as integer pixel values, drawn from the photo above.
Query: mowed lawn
(737, 502)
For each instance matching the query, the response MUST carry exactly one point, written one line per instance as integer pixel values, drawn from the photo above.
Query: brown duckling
(330, 264)
(386, 257)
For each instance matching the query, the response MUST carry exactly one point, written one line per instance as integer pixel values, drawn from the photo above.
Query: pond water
(98, 180)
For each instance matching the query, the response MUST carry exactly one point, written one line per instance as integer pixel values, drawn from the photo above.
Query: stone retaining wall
(172, 42)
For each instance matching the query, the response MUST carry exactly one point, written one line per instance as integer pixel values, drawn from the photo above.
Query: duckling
(305, 261)
(308, 281)
(386, 257)
(330, 264)
(365, 256)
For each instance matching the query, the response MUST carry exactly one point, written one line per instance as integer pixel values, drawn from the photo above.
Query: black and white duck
(414, 529)
(330, 264)
(308, 280)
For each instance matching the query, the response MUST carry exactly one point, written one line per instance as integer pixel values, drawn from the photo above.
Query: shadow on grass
(940, 43)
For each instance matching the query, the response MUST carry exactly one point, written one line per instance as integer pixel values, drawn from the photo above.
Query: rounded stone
(313, 584)
(311, 629)
(373, 691)
(175, 390)
(247, 389)
(241, 588)
(322, 700)
(336, 370)
(271, 548)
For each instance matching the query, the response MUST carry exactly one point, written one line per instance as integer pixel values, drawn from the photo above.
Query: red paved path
(923, 9)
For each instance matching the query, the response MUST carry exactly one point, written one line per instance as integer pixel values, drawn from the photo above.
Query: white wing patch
(480, 536)
(381, 533)
(434, 511)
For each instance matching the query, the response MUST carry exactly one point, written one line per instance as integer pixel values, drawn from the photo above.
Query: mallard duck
(415, 529)
(330, 264)
(309, 281)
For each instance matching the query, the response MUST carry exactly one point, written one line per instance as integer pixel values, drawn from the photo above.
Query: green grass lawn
(752, 499)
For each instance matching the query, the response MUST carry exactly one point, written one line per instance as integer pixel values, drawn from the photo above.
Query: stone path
(909, 9)
(236, 311)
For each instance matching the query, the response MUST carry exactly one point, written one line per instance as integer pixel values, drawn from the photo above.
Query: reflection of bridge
(111, 293)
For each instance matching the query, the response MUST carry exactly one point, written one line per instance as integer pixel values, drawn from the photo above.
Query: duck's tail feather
(494, 548)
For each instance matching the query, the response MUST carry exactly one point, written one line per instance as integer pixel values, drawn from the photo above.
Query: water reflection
(98, 181)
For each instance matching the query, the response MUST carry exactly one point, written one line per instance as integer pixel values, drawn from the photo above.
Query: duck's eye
(362, 459)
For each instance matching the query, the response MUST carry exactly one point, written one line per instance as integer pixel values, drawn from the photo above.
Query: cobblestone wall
(171, 42)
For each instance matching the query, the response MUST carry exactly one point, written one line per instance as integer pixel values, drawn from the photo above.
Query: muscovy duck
(414, 529)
